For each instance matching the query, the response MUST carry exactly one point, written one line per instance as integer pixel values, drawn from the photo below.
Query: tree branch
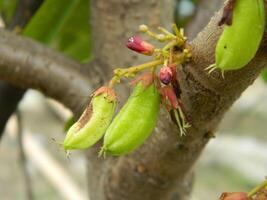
(161, 169)
(10, 95)
(28, 64)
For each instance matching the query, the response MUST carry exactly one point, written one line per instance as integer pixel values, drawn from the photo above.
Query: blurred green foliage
(7, 8)
(49, 19)
(62, 24)
(264, 74)
(74, 38)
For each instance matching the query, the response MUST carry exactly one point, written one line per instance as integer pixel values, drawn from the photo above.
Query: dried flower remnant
(174, 107)
(234, 196)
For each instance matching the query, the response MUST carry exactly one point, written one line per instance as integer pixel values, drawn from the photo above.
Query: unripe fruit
(135, 121)
(94, 121)
(240, 41)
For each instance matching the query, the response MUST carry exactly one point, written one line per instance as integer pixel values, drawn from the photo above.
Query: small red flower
(137, 44)
(234, 196)
(166, 75)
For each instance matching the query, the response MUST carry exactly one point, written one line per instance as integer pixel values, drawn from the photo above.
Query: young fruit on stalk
(241, 36)
(136, 120)
(93, 122)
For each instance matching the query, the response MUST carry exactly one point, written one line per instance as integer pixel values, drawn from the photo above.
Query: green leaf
(7, 8)
(49, 19)
(74, 39)
(64, 25)
(264, 74)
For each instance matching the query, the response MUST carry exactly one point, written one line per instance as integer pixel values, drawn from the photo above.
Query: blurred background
(236, 160)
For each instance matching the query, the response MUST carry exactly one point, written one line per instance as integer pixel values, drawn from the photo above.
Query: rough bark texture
(162, 168)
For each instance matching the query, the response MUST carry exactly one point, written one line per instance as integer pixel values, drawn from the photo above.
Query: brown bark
(28, 64)
(162, 167)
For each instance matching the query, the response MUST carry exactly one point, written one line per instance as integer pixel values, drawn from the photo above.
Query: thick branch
(10, 95)
(27, 64)
(160, 168)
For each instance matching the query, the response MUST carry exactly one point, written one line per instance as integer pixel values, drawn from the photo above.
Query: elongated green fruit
(134, 122)
(94, 121)
(240, 41)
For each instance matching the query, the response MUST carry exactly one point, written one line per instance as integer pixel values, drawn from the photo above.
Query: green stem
(166, 32)
(169, 45)
(119, 72)
(113, 81)
(258, 188)
(132, 70)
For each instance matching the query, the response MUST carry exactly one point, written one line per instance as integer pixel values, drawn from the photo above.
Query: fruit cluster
(135, 121)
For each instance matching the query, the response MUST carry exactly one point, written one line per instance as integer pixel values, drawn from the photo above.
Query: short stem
(258, 188)
(176, 31)
(113, 81)
(137, 68)
(169, 45)
(166, 32)
(179, 58)
(127, 72)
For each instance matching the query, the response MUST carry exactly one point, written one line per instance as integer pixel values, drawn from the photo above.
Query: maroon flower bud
(137, 44)
(234, 196)
(165, 75)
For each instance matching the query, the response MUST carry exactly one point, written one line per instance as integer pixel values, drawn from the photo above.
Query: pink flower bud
(137, 44)
(165, 75)
(234, 196)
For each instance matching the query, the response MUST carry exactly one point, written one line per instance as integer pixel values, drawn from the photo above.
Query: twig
(28, 64)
